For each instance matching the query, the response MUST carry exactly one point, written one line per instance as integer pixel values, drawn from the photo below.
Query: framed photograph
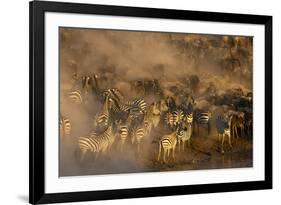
(140, 102)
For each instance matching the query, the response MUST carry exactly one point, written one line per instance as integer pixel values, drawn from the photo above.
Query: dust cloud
(195, 64)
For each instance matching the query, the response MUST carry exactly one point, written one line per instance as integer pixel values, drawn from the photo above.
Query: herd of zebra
(121, 124)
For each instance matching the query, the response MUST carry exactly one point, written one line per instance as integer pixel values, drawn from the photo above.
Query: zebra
(122, 134)
(188, 118)
(173, 119)
(184, 133)
(102, 119)
(114, 94)
(137, 136)
(178, 117)
(169, 119)
(237, 121)
(124, 130)
(223, 125)
(65, 126)
(80, 92)
(167, 143)
(96, 143)
(91, 83)
(87, 84)
(202, 118)
(139, 104)
(136, 110)
(75, 96)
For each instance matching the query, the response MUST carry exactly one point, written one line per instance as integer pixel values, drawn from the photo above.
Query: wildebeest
(237, 122)
(223, 123)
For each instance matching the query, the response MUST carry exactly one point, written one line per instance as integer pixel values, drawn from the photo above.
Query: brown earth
(203, 153)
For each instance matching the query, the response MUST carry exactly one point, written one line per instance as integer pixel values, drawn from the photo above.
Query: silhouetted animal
(237, 123)
(223, 129)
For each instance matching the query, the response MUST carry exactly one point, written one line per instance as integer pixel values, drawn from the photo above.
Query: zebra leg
(236, 132)
(164, 155)
(169, 154)
(229, 140)
(222, 142)
(242, 132)
(159, 152)
(82, 155)
(138, 149)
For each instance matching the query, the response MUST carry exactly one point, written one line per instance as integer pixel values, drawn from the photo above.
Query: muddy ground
(203, 153)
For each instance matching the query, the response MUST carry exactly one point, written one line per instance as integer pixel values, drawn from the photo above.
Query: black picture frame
(37, 10)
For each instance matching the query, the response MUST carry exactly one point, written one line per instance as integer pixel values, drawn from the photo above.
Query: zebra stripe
(175, 118)
(184, 134)
(189, 118)
(102, 118)
(123, 134)
(136, 110)
(65, 126)
(178, 116)
(75, 96)
(114, 94)
(203, 118)
(167, 143)
(137, 104)
(137, 137)
(169, 119)
(95, 143)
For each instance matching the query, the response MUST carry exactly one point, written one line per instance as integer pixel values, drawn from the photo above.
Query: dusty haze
(122, 57)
